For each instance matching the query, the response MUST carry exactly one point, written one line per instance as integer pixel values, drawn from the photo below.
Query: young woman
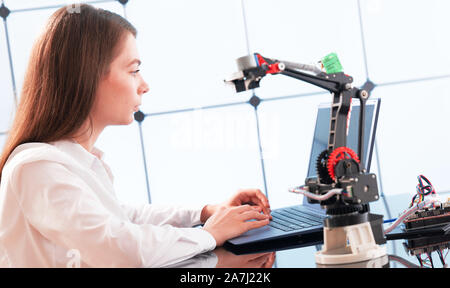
(57, 202)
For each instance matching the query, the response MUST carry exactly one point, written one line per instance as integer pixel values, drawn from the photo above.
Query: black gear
(321, 168)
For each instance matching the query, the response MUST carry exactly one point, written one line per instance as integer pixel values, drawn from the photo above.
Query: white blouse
(58, 209)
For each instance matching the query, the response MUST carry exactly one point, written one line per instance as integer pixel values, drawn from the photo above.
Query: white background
(205, 155)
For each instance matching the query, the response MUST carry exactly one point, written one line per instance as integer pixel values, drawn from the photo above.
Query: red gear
(337, 155)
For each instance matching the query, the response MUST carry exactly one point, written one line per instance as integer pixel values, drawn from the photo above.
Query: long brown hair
(66, 64)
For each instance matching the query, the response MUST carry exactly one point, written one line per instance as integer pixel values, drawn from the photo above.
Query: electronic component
(429, 217)
(423, 248)
(331, 63)
(437, 218)
(426, 224)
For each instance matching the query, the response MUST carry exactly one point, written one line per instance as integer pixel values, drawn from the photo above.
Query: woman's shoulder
(29, 149)
(33, 152)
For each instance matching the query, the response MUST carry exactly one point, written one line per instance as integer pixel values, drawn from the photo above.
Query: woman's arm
(65, 210)
(175, 215)
(182, 216)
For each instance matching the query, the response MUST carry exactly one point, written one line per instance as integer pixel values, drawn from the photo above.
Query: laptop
(302, 225)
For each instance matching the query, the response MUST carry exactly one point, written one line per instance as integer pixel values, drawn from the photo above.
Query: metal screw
(364, 94)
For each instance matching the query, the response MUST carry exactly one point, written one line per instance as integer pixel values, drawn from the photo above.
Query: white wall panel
(25, 27)
(30, 4)
(406, 39)
(7, 103)
(287, 129)
(2, 141)
(412, 135)
(188, 48)
(123, 153)
(304, 32)
(203, 156)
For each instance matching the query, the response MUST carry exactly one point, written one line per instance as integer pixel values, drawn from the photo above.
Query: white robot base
(349, 244)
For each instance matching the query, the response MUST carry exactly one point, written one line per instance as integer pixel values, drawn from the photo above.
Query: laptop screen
(321, 132)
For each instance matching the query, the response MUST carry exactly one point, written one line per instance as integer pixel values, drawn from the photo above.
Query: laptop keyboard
(294, 218)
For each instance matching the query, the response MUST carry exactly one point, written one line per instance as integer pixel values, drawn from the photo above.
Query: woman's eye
(135, 72)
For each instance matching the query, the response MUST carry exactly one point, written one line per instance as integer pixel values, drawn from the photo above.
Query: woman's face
(119, 93)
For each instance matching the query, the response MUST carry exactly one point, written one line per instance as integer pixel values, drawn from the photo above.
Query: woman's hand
(231, 218)
(227, 223)
(253, 197)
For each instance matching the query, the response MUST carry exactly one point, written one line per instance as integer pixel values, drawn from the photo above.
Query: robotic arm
(343, 187)
(254, 67)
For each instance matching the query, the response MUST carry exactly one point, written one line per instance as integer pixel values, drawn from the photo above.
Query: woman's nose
(143, 88)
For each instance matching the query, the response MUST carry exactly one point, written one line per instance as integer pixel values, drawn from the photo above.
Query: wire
(302, 67)
(422, 190)
(328, 195)
(410, 211)
(431, 260)
(389, 220)
(419, 200)
(441, 257)
(402, 261)
(420, 260)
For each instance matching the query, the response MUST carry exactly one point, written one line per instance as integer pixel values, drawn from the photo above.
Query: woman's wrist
(207, 211)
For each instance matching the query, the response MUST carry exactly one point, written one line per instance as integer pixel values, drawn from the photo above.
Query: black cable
(431, 260)
(441, 257)
(420, 260)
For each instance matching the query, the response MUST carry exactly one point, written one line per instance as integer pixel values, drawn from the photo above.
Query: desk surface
(398, 257)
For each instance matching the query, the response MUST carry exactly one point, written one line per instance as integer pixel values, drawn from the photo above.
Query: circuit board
(435, 217)
(429, 217)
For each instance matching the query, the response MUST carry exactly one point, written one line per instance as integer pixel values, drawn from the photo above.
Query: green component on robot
(332, 64)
